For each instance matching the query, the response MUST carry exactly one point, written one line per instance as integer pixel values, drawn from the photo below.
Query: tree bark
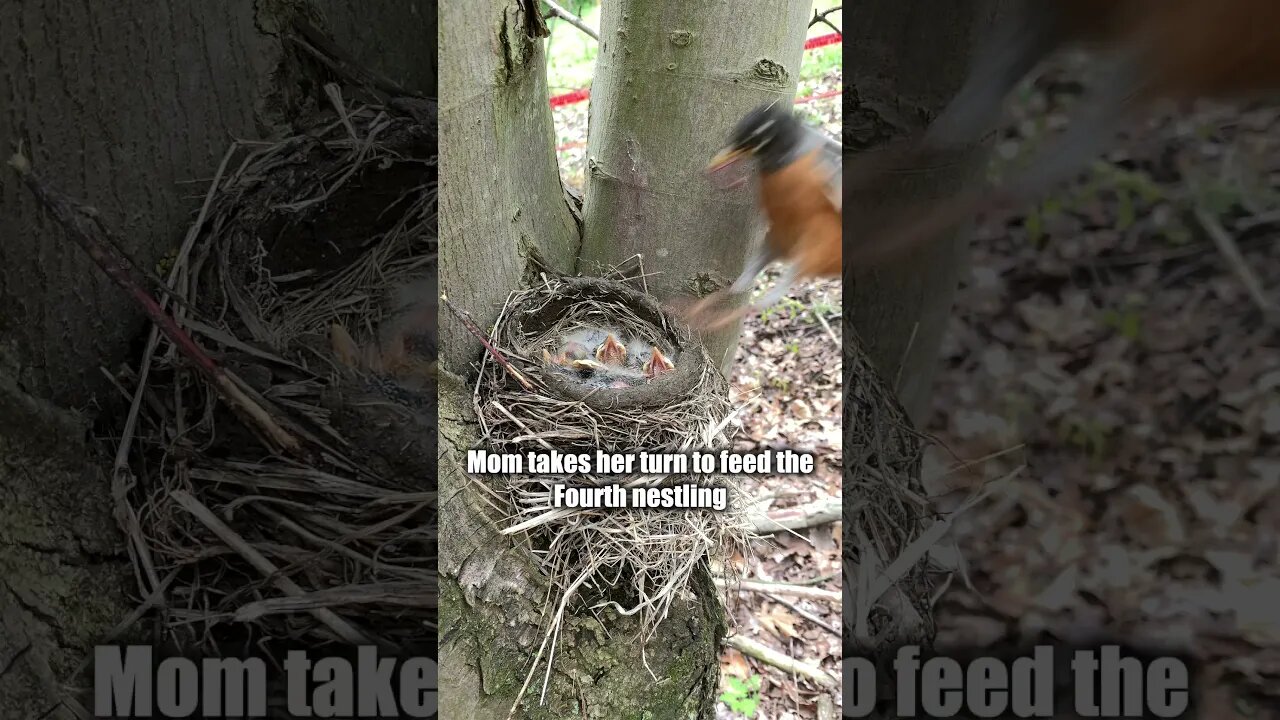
(904, 59)
(503, 205)
(501, 202)
(130, 106)
(672, 78)
(63, 571)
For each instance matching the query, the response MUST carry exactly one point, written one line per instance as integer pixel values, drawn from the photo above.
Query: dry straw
(888, 521)
(329, 537)
(632, 561)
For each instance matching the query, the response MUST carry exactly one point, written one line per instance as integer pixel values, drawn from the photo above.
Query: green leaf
(1034, 226)
(1127, 215)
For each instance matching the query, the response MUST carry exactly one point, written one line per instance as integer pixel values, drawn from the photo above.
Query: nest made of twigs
(251, 548)
(637, 561)
(887, 517)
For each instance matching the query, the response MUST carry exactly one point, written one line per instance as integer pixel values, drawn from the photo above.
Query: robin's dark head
(769, 133)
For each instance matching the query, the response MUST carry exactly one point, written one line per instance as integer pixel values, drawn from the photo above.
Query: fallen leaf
(1151, 519)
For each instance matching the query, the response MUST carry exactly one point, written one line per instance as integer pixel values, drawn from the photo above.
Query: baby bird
(656, 364)
(611, 363)
(611, 352)
(406, 345)
(572, 352)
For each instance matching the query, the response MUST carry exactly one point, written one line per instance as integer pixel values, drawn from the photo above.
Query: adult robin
(800, 196)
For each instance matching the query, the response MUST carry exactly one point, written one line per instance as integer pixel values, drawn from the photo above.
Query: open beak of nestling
(611, 352)
(727, 169)
(657, 364)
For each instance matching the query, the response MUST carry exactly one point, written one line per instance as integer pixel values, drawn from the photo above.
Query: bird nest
(294, 504)
(888, 522)
(636, 561)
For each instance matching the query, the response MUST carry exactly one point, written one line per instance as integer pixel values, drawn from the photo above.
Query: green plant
(571, 55)
(1127, 323)
(1036, 217)
(1177, 233)
(742, 696)
(821, 61)
(787, 307)
(1127, 320)
(1219, 197)
(1089, 436)
(824, 307)
(1126, 215)
(1033, 223)
(1135, 181)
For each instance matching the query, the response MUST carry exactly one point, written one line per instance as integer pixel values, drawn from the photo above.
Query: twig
(408, 594)
(83, 226)
(551, 636)
(814, 514)
(572, 19)
(1231, 253)
(786, 663)
(127, 516)
(769, 588)
(465, 318)
(323, 49)
(153, 599)
(806, 615)
(827, 326)
(919, 548)
(1267, 218)
(340, 627)
(821, 17)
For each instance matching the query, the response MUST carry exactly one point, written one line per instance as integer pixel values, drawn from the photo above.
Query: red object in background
(582, 94)
(822, 41)
(570, 98)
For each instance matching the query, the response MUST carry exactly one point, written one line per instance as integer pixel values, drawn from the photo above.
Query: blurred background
(1118, 340)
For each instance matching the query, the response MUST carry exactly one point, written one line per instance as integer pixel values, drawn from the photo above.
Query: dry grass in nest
(888, 522)
(246, 548)
(635, 561)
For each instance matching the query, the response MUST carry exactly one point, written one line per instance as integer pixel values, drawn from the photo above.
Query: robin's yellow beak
(725, 158)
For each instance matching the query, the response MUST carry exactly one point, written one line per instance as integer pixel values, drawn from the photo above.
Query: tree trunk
(502, 204)
(904, 59)
(672, 78)
(130, 106)
(63, 571)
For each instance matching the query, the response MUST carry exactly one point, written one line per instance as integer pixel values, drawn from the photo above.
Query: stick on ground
(766, 654)
(769, 588)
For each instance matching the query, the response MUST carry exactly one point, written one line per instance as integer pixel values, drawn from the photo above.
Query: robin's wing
(830, 162)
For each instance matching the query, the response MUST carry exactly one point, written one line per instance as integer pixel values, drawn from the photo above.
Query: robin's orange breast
(804, 224)
(1187, 48)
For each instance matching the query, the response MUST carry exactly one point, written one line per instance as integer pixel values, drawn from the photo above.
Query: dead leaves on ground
(1105, 331)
